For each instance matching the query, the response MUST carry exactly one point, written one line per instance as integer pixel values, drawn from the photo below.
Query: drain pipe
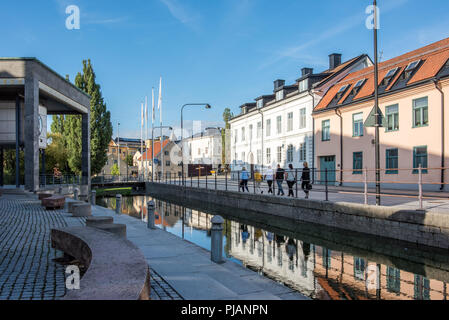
(437, 86)
(313, 137)
(338, 113)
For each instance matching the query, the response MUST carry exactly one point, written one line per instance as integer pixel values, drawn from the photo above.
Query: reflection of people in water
(245, 233)
(279, 239)
(270, 236)
(291, 251)
(306, 252)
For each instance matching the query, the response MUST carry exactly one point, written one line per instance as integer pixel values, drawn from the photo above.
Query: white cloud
(179, 12)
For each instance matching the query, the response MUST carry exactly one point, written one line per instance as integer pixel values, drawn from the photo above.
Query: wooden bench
(116, 268)
(53, 202)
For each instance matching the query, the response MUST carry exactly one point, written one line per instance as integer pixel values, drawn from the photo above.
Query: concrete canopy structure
(26, 87)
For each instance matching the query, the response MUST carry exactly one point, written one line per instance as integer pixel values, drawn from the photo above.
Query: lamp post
(376, 106)
(207, 106)
(118, 149)
(152, 147)
(262, 133)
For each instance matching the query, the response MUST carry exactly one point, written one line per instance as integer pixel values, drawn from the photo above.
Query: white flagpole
(141, 138)
(159, 106)
(146, 136)
(152, 131)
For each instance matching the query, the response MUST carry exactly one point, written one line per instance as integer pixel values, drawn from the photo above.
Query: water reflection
(313, 270)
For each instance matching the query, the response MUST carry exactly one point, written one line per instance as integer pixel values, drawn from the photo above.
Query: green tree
(100, 124)
(129, 160)
(114, 170)
(227, 116)
(56, 154)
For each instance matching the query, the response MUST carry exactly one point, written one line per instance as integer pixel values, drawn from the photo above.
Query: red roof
(434, 56)
(148, 155)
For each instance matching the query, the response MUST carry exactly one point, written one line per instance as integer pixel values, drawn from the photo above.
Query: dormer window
(410, 69)
(279, 95)
(260, 103)
(358, 86)
(304, 85)
(386, 81)
(342, 91)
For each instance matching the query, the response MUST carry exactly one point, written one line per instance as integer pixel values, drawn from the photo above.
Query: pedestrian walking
(280, 177)
(258, 181)
(244, 177)
(269, 176)
(291, 180)
(305, 178)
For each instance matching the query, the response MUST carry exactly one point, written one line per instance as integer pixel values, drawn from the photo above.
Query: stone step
(82, 210)
(114, 228)
(96, 221)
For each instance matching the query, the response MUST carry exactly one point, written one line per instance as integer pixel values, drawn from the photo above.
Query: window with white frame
(243, 156)
(259, 157)
(279, 154)
(279, 124)
(290, 153)
(250, 132)
(268, 127)
(259, 129)
(304, 85)
(290, 122)
(260, 103)
(235, 135)
(279, 95)
(268, 155)
(243, 133)
(302, 118)
(303, 151)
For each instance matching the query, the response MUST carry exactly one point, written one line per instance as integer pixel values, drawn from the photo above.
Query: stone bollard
(217, 239)
(150, 212)
(93, 197)
(118, 204)
(75, 194)
(60, 190)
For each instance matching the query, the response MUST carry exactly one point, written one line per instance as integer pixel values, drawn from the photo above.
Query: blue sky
(224, 52)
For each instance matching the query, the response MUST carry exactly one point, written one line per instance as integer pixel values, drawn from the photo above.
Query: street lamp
(118, 149)
(207, 106)
(152, 148)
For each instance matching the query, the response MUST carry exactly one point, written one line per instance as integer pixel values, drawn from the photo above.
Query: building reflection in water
(315, 271)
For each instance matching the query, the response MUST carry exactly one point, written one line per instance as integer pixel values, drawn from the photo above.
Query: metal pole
(215, 180)
(366, 185)
(296, 181)
(420, 187)
(206, 178)
(93, 198)
(226, 179)
(118, 149)
(376, 106)
(150, 214)
(326, 184)
(217, 239)
(118, 204)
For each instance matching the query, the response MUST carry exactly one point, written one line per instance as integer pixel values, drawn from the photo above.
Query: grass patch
(114, 191)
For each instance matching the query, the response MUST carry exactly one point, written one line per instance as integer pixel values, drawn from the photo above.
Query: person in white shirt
(269, 175)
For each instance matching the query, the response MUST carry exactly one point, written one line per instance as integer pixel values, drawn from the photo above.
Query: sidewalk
(188, 269)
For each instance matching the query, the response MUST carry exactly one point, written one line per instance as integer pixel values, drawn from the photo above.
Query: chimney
(306, 71)
(334, 60)
(278, 83)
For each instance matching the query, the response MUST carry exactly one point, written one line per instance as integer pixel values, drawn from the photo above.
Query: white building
(204, 148)
(278, 128)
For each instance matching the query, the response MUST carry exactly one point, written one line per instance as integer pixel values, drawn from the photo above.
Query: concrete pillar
(216, 251)
(150, 212)
(31, 133)
(75, 194)
(18, 138)
(93, 199)
(43, 171)
(1, 166)
(118, 204)
(85, 153)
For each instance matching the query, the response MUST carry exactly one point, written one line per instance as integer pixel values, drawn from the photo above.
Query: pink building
(413, 92)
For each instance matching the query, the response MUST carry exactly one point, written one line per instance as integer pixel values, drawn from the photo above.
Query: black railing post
(226, 180)
(206, 179)
(326, 184)
(238, 179)
(215, 180)
(296, 180)
(254, 182)
(198, 179)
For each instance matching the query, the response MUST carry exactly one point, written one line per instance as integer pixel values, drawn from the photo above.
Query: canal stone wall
(418, 227)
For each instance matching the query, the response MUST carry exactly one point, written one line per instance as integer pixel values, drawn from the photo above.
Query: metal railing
(326, 182)
(48, 180)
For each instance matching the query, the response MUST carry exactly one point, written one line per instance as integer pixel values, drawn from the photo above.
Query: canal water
(289, 258)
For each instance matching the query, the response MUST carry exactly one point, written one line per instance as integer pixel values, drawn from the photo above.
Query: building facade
(203, 149)
(278, 128)
(170, 169)
(125, 147)
(413, 93)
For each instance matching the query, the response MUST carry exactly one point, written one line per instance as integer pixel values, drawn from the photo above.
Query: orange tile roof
(148, 155)
(434, 56)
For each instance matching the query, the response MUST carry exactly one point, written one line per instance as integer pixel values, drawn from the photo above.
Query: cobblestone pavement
(27, 269)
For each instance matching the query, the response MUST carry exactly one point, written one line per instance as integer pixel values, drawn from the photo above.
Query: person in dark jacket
(305, 178)
(280, 177)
